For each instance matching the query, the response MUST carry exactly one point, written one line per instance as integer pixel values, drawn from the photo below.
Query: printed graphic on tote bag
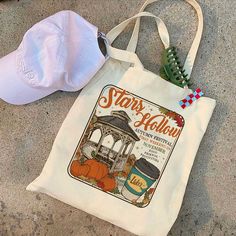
(126, 146)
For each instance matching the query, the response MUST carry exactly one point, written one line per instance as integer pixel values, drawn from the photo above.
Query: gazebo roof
(121, 114)
(117, 121)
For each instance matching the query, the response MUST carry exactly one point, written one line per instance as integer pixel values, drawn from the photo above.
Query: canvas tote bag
(126, 148)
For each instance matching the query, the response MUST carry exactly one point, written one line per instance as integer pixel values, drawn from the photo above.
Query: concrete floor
(27, 132)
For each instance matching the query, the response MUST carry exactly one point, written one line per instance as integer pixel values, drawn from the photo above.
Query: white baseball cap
(60, 52)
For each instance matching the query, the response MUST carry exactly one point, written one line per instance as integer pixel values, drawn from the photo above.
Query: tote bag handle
(116, 31)
(128, 56)
(189, 62)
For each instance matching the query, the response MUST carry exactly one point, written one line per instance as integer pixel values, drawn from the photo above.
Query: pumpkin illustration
(97, 169)
(77, 169)
(74, 168)
(107, 183)
(84, 170)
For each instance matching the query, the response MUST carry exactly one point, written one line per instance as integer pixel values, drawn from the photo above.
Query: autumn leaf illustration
(179, 120)
(163, 110)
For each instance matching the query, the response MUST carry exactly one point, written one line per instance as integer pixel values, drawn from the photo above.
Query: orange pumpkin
(97, 169)
(77, 169)
(107, 183)
(74, 168)
(84, 170)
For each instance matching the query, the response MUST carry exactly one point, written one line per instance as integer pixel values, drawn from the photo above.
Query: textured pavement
(27, 132)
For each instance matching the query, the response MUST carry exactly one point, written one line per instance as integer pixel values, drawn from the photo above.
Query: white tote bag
(125, 150)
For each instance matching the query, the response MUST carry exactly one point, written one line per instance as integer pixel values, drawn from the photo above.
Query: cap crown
(60, 52)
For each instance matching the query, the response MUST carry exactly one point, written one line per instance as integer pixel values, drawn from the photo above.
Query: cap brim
(12, 89)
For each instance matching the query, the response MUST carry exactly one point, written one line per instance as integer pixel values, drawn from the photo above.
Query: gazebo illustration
(117, 126)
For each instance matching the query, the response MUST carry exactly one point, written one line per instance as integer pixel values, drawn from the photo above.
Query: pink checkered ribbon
(186, 102)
